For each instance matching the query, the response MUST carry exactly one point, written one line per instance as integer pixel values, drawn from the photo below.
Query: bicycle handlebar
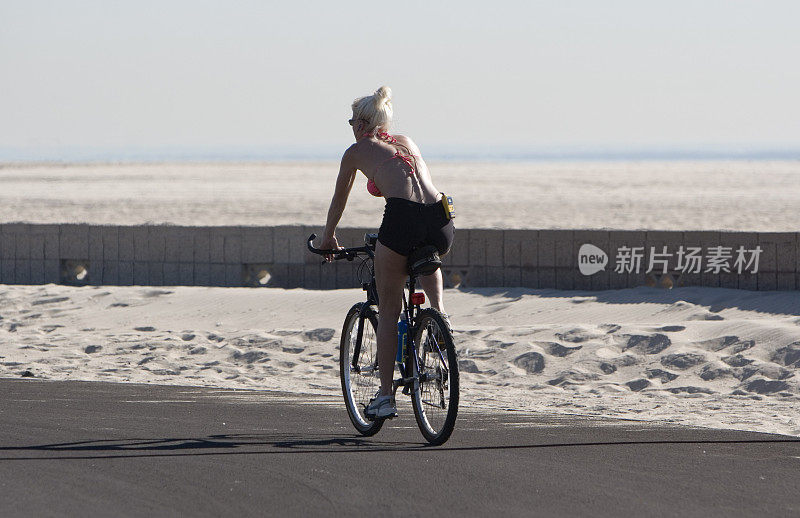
(341, 253)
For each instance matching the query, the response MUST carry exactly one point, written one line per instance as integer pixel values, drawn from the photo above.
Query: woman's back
(394, 163)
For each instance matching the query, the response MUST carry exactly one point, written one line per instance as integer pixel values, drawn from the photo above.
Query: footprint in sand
(644, 344)
(719, 343)
(661, 375)
(737, 360)
(119, 305)
(573, 377)
(774, 371)
(532, 362)
(322, 334)
(89, 349)
(198, 350)
(578, 335)
(682, 361)
(556, 349)
(251, 356)
(608, 368)
(638, 384)
(187, 337)
(214, 337)
(788, 356)
(293, 350)
(763, 386)
(468, 366)
(627, 360)
(714, 371)
(146, 329)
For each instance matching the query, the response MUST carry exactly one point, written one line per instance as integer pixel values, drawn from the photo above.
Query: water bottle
(402, 337)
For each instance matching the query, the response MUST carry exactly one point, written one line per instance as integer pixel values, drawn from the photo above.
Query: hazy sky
(262, 76)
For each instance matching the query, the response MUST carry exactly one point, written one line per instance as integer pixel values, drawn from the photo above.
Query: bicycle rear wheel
(435, 399)
(362, 381)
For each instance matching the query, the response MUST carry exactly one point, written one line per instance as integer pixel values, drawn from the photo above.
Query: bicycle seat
(370, 240)
(424, 261)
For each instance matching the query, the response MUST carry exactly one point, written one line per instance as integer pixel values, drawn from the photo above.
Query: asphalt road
(77, 449)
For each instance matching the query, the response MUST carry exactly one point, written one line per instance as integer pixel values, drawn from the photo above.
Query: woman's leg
(433, 285)
(390, 277)
(442, 237)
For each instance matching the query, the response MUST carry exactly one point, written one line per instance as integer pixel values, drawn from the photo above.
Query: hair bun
(383, 95)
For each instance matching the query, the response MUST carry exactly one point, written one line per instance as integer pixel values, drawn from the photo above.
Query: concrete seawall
(277, 257)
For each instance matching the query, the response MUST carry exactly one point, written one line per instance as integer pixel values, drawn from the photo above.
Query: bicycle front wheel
(435, 396)
(360, 379)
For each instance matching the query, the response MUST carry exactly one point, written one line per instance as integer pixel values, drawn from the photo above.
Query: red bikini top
(409, 160)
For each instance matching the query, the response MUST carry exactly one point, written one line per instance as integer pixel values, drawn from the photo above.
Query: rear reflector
(418, 298)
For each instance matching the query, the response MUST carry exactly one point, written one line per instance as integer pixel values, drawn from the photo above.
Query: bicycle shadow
(247, 444)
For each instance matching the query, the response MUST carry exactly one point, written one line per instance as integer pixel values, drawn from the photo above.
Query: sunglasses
(353, 121)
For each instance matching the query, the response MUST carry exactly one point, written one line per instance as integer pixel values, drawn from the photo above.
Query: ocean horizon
(431, 153)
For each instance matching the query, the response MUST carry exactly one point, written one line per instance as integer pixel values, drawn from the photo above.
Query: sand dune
(700, 356)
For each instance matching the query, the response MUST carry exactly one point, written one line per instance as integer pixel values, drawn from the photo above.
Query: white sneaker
(381, 407)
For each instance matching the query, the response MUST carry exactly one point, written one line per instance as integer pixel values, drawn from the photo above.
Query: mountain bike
(427, 365)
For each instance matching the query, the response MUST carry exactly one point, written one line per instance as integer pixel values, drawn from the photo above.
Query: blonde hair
(375, 109)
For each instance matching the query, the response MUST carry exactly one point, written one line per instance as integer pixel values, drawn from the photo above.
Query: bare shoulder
(406, 141)
(350, 153)
(349, 158)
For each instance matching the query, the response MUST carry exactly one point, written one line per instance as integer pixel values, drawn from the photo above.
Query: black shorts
(408, 225)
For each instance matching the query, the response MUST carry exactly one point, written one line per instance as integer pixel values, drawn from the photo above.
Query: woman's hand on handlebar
(329, 243)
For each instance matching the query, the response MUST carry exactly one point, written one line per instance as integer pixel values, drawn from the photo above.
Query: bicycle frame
(410, 366)
(428, 367)
(410, 311)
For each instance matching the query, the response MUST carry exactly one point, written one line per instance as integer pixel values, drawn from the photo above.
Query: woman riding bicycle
(414, 216)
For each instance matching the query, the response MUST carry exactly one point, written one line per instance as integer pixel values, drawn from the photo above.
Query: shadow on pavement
(282, 444)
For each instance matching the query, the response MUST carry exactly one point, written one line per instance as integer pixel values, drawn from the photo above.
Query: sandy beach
(702, 195)
(698, 356)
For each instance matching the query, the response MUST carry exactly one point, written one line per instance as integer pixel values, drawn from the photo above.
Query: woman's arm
(344, 184)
